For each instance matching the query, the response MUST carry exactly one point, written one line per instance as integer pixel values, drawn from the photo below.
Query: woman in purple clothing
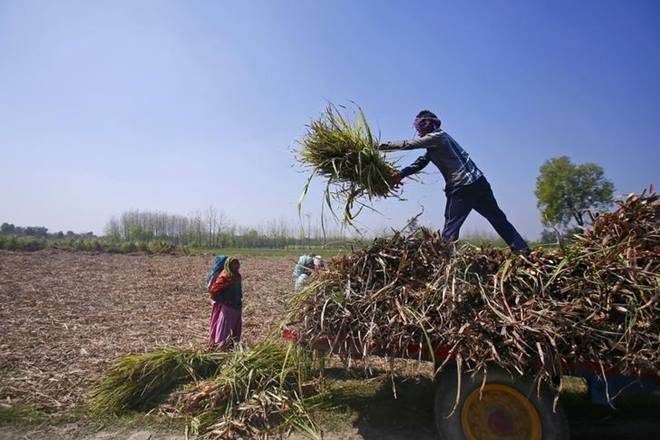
(227, 294)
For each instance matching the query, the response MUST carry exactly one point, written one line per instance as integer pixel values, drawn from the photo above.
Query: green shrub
(12, 243)
(16, 243)
(160, 247)
(127, 247)
(113, 247)
(31, 244)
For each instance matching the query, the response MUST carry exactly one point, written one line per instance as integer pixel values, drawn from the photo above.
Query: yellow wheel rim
(499, 412)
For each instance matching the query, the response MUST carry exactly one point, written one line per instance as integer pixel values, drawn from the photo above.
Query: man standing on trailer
(466, 186)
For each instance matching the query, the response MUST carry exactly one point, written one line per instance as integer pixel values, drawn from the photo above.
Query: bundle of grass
(259, 391)
(595, 302)
(140, 381)
(347, 155)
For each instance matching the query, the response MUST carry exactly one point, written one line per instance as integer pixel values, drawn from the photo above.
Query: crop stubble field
(65, 316)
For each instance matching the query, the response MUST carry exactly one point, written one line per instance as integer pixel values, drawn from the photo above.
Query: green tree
(564, 191)
(7, 228)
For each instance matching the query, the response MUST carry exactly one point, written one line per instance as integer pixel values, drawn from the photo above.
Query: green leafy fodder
(346, 154)
(139, 381)
(261, 390)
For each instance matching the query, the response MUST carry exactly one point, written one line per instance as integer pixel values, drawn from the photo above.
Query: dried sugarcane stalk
(595, 301)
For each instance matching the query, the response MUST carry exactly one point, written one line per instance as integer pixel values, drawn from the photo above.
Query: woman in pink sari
(227, 295)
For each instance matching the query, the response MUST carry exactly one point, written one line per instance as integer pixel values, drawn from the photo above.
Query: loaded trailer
(500, 405)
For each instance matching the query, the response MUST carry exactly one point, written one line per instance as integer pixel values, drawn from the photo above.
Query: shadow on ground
(636, 417)
(378, 414)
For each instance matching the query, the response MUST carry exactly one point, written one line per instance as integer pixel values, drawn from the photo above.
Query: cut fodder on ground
(596, 302)
(346, 154)
(264, 390)
(140, 381)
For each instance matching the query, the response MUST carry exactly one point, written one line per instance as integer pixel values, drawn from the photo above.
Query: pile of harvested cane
(597, 301)
(266, 389)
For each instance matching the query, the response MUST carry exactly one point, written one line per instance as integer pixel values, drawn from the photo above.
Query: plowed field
(66, 316)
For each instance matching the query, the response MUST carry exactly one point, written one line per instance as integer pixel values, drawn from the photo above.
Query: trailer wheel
(505, 408)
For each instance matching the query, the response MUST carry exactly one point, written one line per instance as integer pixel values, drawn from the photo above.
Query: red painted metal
(443, 352)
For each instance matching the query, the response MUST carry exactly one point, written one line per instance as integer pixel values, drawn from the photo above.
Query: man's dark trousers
(478, 196)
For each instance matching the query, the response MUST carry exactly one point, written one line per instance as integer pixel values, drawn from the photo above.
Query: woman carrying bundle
(227, 296)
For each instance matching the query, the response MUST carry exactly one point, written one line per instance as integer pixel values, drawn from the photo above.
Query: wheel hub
(500, 422)
(499, 412)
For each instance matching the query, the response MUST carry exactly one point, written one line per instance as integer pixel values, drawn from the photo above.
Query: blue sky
(108, 106)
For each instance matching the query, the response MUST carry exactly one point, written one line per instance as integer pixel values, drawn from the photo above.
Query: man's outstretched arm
(431, 140)
(416, 166)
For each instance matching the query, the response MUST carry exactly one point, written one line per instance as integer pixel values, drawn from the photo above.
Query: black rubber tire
(554, 424)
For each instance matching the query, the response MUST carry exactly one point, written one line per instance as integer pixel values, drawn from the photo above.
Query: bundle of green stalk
(261, 391)
(597, 301)
(346, 154)
(141, 381)
(247, 393)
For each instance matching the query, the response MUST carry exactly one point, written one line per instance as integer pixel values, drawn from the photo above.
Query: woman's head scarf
(228, 267)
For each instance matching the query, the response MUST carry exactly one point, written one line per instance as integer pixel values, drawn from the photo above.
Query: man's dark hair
(426, 114)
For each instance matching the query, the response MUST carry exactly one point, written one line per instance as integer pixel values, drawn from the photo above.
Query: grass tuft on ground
(139, 381)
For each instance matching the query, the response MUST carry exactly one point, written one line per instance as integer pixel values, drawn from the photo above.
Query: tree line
(39, 232)
(212, 229)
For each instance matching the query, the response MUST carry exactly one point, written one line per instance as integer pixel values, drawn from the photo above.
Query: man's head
(426, 122)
